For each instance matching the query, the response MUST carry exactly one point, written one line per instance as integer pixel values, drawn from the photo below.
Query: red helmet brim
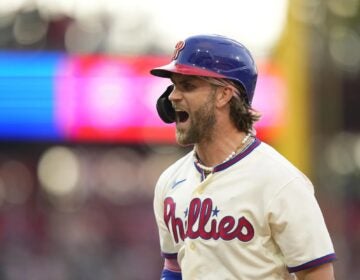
(167, 70)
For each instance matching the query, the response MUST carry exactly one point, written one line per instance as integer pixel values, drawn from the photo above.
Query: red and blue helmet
(213, 56)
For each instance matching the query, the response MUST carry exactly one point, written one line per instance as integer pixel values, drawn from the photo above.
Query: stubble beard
(201, 128)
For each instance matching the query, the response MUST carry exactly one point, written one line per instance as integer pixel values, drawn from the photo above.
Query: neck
(220, 148)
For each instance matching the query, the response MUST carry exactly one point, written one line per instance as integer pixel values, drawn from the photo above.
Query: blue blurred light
(26, 95)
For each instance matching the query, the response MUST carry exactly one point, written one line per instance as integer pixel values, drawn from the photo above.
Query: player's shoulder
(182, 165)
(270, 156)
(179, 165)
(276, 165)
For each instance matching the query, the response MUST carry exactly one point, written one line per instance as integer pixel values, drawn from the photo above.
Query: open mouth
(182, 116)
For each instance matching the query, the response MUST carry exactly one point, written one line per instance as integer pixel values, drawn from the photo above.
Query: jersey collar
(235, 159)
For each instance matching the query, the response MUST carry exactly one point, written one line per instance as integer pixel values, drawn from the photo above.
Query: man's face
(194, 102)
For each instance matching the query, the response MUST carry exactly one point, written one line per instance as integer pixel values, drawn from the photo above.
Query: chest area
(212, 209)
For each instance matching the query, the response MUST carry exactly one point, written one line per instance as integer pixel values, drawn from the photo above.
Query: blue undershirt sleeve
(170, 275)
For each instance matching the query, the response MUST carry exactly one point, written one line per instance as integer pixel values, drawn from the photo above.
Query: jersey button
(192, 246)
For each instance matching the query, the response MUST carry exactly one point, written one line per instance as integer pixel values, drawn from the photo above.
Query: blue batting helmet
(213, 56)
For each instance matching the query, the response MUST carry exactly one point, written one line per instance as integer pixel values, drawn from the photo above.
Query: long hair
(242, 114)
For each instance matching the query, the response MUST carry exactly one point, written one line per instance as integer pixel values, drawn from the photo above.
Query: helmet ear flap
(164, 107)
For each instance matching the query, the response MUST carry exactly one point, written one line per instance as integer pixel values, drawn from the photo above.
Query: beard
(202, 122)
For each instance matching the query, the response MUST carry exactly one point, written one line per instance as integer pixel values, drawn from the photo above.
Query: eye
(186, 86)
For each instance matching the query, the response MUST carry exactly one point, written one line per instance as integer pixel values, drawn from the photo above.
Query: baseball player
(232, 208)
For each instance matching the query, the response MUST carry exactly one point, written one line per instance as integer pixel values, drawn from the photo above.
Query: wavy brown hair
(241, 113)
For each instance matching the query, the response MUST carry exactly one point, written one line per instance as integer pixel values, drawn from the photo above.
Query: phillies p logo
(178, 47)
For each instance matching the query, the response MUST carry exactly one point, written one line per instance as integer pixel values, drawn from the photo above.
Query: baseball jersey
(254, 217)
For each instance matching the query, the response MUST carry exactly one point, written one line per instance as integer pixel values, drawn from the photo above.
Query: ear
(224, 95)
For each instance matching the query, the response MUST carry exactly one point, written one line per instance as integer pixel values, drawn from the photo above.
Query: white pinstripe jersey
(254, 217)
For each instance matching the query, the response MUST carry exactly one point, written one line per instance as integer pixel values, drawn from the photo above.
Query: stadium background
(81, 145)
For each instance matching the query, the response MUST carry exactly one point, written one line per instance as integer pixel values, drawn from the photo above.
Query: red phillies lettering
(176, 223)
(200, 224)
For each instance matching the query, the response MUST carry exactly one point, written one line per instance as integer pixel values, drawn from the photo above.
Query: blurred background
(81, 145)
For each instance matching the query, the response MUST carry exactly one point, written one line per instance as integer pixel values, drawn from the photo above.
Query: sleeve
(298, 227)
(167, 247)
(170, 275)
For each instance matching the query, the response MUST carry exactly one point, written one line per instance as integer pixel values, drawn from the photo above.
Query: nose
(175, 95)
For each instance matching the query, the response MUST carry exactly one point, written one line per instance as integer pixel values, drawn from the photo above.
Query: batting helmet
(210, 56)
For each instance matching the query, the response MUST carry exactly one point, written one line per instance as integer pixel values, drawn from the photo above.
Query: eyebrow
(184, 79)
